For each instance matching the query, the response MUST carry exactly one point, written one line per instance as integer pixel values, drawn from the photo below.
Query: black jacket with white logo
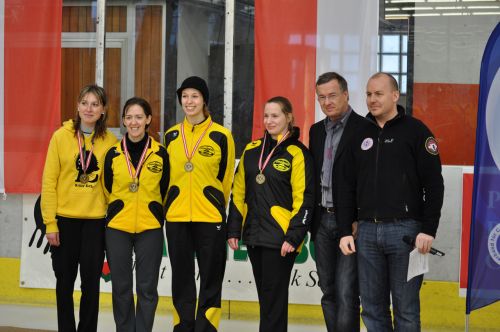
(392, 172)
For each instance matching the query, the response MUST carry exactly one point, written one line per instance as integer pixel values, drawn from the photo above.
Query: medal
(261, 178)
(134, 185)
(84, 178)
(188, 166)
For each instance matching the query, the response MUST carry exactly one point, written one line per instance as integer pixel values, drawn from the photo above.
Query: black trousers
(272, 278)
(148, 249)
(208, 242)
(82, 244)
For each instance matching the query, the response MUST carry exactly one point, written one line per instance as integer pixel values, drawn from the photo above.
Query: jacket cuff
(51, 227)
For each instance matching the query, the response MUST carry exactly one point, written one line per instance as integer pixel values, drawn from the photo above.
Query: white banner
(36, 267)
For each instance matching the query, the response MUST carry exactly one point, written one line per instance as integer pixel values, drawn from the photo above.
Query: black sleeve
(303, 196)
(108, 169)
(431, 180)
(165, 177)
(346, 189)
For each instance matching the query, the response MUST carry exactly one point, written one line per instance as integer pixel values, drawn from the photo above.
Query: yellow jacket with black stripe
(280, 209)
(136, 212)
(62, 192)
(202, 194)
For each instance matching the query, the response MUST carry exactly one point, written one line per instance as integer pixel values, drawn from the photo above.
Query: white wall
(449, 49)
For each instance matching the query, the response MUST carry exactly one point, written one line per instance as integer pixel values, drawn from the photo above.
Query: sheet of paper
(418, 264)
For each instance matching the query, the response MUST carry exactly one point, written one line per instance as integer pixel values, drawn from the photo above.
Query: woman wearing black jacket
(271, 208)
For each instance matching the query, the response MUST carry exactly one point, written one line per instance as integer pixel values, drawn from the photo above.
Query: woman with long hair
(73, 207)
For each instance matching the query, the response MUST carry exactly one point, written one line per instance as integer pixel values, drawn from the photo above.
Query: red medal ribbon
(141, 161)
(85, 163)
(189, 156)
(261, 165)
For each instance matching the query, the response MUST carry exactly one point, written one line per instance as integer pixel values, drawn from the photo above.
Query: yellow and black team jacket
(280, 209)
(202, 194)
(63, 194)
(136, 212)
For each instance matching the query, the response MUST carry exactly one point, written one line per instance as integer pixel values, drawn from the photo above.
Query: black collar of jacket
(401, 115)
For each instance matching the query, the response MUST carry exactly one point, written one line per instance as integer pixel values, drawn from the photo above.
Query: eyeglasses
(324, 99)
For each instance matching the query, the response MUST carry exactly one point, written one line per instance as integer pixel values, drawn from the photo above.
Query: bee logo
(155, 166)
(281, 165)
(206, 151)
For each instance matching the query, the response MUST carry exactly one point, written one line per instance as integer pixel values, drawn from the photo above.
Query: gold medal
(84, 178)
(188, 166)
(260, 178)
(133, 187)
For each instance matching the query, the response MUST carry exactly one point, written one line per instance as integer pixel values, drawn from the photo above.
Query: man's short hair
(330, 76)
(392, 80)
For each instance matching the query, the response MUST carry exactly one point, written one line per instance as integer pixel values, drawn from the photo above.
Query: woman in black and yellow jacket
(272, 200)
(201, 172)
(135, 180)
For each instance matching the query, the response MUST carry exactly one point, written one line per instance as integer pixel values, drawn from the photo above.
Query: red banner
(285, 59)
(32, 81)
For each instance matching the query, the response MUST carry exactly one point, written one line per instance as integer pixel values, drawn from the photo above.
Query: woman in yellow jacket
(73, 207)
(135, 181)
(201, 172)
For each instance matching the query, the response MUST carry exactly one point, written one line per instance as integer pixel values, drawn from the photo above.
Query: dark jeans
(383, 266)
(272, 278)
(338, 279)
(148, 249)
(82, 244)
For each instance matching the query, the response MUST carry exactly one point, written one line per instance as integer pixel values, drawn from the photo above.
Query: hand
(423, 243)
(347, 245)
(39, 226)
(355, 230)
(53, 239)
(233, 243)
(286, 248)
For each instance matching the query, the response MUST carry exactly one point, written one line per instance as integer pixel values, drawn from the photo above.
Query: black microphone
(411, 242)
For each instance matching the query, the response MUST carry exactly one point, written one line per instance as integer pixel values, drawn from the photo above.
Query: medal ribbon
(141, 160)
(85, 163)
(189, 156)
(263, 165)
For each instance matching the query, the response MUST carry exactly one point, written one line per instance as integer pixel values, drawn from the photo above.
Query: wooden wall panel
(148, 59)
(81, 19)
(78, 70)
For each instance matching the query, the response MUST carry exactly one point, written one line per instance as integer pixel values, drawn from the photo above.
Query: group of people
(362, 185)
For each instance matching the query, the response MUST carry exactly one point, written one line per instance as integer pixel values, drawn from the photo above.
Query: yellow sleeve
(50, 178)
(228, 176)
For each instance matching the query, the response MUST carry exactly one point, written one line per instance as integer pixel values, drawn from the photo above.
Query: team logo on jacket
(206, 151)
(281, 165)
(155, 166)
(431, 146)
(367, 144)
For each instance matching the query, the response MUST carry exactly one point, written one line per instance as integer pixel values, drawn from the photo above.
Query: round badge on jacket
(367, 144)
(431, 146)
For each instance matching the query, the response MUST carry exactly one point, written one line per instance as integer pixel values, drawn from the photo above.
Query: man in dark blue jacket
(328, 140)
(393, 186)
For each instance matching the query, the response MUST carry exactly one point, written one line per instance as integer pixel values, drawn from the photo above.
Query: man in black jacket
(328, 139)
(393, 186)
